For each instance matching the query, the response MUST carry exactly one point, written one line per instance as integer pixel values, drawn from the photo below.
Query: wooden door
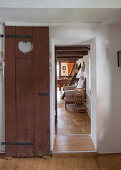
(27, 104)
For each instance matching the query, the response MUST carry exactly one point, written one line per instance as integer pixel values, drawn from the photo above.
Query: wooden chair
(70, 94)
(80, 101)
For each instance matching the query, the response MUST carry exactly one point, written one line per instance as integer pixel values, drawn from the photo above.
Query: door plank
(24, 106)
(23, 31)
(10, 115)
(26, 76)
(41, 84)
(24, 95)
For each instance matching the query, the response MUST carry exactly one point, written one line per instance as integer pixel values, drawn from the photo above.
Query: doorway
(73, 121)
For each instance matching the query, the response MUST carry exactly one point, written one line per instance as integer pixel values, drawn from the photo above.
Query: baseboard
(108, 153)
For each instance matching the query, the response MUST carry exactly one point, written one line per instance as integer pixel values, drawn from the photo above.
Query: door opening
(72, 97)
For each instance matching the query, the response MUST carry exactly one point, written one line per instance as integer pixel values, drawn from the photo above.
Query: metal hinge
(18, 36)
(17, 143)
(43, 94)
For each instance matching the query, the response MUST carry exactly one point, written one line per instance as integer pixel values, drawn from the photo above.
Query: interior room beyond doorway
(73, 123)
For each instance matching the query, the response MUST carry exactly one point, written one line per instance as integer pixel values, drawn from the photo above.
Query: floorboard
(71, 122)
(101, 162)
(72, 131)
(73, 143)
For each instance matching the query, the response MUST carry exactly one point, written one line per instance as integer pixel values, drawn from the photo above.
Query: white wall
(2, 115)
(105, 91)
(93, 92)
(86, 74)
(108, 89)
(2, 108)
(52, 93)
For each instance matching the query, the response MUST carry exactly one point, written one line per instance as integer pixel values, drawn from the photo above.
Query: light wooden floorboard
(73, 143)
(71, 130)
(102, 162)
(71, 122)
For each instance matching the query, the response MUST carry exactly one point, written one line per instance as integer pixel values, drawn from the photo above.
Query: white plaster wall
(105, 42)
(108, 89)
(2, 115)
(86, 59)
(93, 92)
(52, 93)
(92, 43)
(75, 35)
(2, 105)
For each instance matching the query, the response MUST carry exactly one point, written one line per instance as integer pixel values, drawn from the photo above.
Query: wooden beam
(71, 55)
(72, 52)
(73, 48)
(71, 62)
(67, 59)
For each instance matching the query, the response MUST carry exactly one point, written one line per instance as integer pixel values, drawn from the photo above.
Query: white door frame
(92, 43)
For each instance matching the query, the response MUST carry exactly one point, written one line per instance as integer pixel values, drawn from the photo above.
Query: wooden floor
(71, 130)
(102, 162)
(73, 143)
(71, 122)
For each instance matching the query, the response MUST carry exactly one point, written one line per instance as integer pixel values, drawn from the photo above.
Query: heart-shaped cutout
(25, 47)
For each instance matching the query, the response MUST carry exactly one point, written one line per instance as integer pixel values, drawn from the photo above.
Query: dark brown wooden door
(27, 104)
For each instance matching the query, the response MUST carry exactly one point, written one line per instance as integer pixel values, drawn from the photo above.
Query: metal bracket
(1, 35)
(18, 36)
(17, 143)
(43, 94)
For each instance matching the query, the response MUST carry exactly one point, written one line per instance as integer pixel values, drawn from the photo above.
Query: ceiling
(60, 3)
(60, 15)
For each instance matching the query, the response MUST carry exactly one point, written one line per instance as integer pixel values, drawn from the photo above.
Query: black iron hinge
(18, 36)
(43, 94)
(17, 143)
